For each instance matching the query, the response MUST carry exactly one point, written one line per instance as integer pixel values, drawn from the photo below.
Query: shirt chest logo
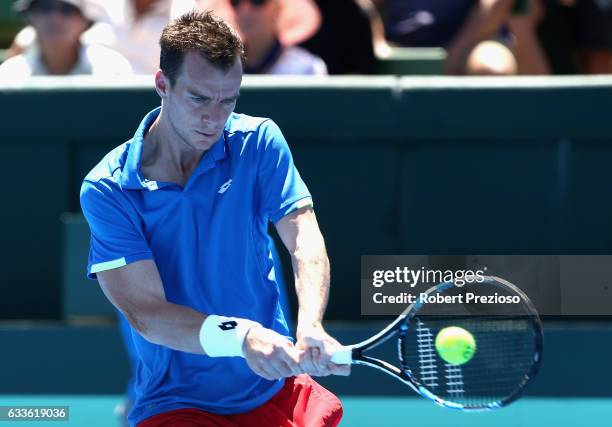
(225, 186)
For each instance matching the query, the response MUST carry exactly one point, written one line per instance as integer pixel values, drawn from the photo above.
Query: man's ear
(162, 84)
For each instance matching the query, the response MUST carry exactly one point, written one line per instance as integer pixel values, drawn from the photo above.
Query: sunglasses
(45, 7)
(255, 3)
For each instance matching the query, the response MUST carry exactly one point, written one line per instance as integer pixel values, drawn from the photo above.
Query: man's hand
(270, 355)
(316, 347)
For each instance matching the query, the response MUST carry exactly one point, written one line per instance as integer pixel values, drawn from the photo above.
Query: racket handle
(344, 356)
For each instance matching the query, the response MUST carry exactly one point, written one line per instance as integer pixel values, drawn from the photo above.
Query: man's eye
(228, 101)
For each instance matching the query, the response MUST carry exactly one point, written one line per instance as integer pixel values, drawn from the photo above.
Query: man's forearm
(171, 325)
(311, 269)
(300, 233)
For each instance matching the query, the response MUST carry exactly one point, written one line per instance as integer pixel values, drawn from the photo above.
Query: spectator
(472, 31)
(577, 35)
(270, 30)
(351, 50)
(57, 48)
(592, 25)
(131, 27)
(526, 47)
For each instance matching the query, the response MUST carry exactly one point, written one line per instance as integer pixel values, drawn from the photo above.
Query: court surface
(97, 411)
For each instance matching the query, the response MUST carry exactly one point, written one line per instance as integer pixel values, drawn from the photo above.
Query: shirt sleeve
(116, 234)
(280, 187)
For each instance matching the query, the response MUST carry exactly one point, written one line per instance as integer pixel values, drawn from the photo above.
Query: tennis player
(178, 217)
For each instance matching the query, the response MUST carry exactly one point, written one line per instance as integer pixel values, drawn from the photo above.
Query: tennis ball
(455, 345)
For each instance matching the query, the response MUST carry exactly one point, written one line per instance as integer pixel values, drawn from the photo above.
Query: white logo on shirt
(225, 186)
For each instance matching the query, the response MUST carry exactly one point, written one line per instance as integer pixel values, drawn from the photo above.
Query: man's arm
(300, 234)
(137, 291)
(484, 20)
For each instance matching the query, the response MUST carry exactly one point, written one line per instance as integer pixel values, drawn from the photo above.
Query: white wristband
(223, 336)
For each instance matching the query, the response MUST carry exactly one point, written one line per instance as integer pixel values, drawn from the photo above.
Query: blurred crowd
(118, 37)
(505, 36)
(308, 37)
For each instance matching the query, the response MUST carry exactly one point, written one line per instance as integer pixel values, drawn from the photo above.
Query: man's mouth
(207, 134)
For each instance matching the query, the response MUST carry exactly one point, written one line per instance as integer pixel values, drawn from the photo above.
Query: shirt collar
(217, 152)
(131, 178)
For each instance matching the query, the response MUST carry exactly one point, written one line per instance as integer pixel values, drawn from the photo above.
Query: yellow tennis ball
(455, 345)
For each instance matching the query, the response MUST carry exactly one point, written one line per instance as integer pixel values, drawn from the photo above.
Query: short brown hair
(202, 32)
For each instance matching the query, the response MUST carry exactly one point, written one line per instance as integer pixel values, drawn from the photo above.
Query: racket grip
(344, 356)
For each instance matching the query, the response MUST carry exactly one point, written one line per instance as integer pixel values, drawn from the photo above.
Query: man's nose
(213, 114)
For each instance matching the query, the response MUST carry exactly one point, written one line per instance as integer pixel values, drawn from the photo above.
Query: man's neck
(164, 156)
(141, 7)
(58, 59)
(256, 50)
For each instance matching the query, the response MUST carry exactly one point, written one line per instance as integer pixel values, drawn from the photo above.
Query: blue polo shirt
(209, 240)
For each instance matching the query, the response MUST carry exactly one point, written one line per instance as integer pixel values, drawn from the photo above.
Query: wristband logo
(228, 325)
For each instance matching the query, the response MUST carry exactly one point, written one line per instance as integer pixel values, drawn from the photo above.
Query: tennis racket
(508, 339)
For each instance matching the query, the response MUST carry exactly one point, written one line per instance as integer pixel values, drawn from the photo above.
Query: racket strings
(503, 359)
(428, 371)
(453, 375)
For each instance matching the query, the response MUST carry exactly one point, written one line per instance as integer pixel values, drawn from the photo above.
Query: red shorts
(302, 402)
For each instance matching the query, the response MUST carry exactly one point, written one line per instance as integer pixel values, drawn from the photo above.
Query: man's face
(256, 18)
(57, 21)
(200, 101)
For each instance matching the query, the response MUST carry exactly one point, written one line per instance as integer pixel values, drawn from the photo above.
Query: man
(178, 218)
(270, 30)
(591, 25)
(130, 27)
(57, 48)
(473, 32)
